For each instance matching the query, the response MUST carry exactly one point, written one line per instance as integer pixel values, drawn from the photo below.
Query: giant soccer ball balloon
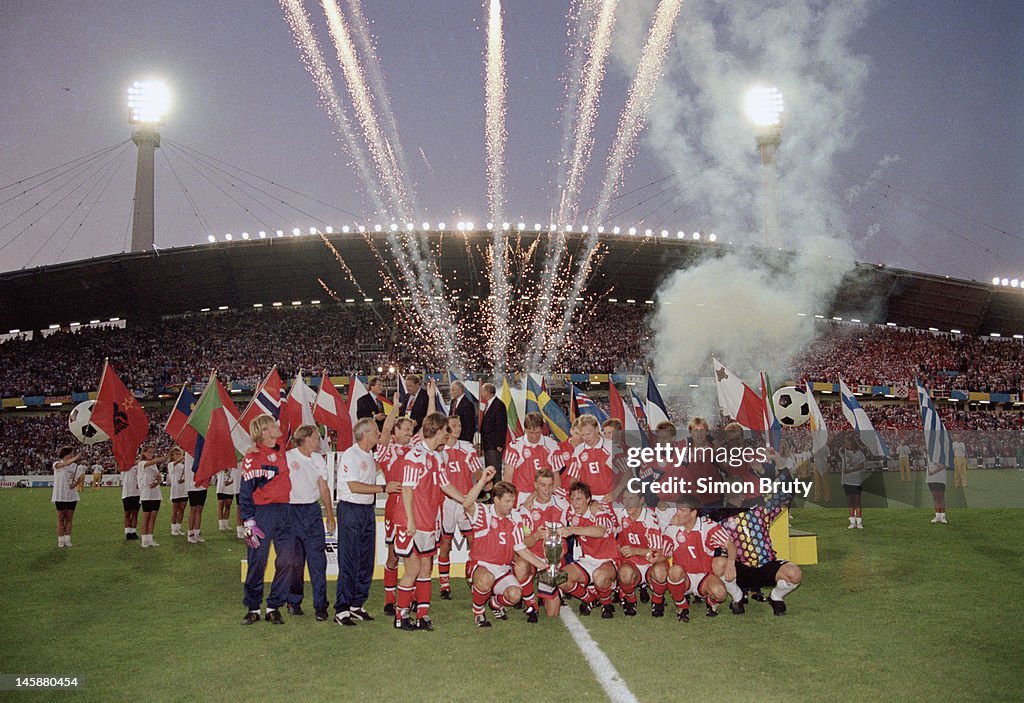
(791, 406)
(80, 424)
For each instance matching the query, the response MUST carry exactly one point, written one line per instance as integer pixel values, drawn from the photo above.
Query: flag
(266, 401)
(329, 409)
(657, 413)
(299, 408)
(118, 413)
(403, 395)
(770, 420)
(936, 439)
(177, 422)
(621, 412)
(439, 405)
(738, 400)
(819, 432)
(859, 420)
(357, 390)
(215, 448)
(514, 428)
(638, 409)
(385, 402)
(548, 408)
(582, 404)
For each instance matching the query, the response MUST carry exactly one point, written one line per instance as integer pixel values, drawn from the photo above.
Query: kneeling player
(642, 562)
(542, 508)
(595, 525)
(694, 542)
(498, 538)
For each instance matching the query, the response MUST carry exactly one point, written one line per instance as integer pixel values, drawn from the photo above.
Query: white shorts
(453, 516)
(695, 581)
(642, 568)
(504, 578)
(422, 544)
(591, 564)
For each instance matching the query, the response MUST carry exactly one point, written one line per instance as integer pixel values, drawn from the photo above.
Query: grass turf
(902, 610)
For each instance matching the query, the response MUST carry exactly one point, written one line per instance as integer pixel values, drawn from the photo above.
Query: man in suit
(370, 404)
(465, 409)
(416, 404)
(493, 427)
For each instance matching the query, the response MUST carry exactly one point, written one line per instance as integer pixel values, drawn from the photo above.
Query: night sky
(927, 96)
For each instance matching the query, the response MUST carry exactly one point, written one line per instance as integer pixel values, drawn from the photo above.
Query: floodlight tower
(763, 106)
(148, 102)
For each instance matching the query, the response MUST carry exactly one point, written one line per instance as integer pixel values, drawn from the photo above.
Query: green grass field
(903, 610)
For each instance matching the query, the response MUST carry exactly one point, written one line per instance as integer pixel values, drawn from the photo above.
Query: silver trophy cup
(553, 576)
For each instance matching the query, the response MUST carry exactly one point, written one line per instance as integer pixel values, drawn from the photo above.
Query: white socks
(63, 541)
(129, 530)
(856, 523)
(240, 532)
(782, 587)
(733, 590)
(222, 525)
(147, 541)
(176, 529)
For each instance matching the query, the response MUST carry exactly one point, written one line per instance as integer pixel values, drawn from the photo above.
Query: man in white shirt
(357, 489)
(308, 472)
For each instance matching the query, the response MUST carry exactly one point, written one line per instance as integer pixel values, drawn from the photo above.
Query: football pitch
(903, 610)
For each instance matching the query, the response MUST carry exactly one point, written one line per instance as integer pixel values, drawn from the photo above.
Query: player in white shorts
(228, 483)
(639, 540)
(179, 489)
(147, 473)
(67, 473)
(463, 466)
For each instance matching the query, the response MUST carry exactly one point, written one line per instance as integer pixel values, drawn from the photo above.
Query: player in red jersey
(498, 538)
(541, 509)
(395, 441)
(639, 541)
(593, 460)
(696, 542)
(747, 472)
(418, 525)
(594, 524)
(463, 466)
(530, 453)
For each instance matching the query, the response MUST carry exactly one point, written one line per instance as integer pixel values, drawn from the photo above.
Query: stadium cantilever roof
(283, 269)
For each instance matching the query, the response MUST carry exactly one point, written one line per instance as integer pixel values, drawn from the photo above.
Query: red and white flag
(298, 410)
(119, 413)
(330, 409)
(739, 401)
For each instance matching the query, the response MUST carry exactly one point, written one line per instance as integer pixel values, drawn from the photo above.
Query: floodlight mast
(764, 108)
(147, 105)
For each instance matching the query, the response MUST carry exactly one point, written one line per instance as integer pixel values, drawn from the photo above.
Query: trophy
(553, 576)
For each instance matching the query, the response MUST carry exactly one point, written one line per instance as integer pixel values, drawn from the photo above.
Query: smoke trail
(578, 128)
(593, 75)
(363, 105)
(495, 135)
(579, 15)
(638, 101)
(361, 31)
(313, 59)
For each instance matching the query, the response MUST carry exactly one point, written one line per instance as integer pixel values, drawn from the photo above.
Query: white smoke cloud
(738, 306)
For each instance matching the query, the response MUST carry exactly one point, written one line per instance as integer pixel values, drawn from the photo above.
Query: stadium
(858, 381)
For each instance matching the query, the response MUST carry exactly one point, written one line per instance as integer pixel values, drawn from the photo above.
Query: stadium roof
(239, 274)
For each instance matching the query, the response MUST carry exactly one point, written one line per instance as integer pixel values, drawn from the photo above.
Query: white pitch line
(602, 667)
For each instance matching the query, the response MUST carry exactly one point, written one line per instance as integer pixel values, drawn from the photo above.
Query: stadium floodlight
(712, 237)
(600, 229)
(1014, 283)
(490, 225)
(245, 235)
(312, 230)
(521, 226)
(469, 226)
(263, 234)
(505, 226)
(409, 227)
(211, 238)
(632, 231)
(763, 106)
(280, 233)
(537, 227)
(314, 302)
(616, 229)
(995, 280)
(148, 104)
(585, 229)
(426, 226)
(1005, 281)
(440, 227)
(461, 226)
(647, 233)
(227, 237)
(329, 230)
(344, 229)
(296, 231)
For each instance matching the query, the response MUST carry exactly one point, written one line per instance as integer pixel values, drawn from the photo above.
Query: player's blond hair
(259, 424)
(585, 421)
(304, 431)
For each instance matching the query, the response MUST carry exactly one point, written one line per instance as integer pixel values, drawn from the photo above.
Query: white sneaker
(68, 542)
(936, 519)
(199, 538)
(154, 544)
(192, 539)
(942, 521)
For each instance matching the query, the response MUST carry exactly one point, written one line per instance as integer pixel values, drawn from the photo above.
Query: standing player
(499, 538)
(179, 489)
(695, 542)
(937, 485)
(418, 522)
(463, 467)
(97, 475)
(594, 524)
(395, 442)
(196, 501)
(227, 490)
(642, 559)
(130, 501)
(756, 564)
(544, 507)
(903, 452)
(593, 460)
(530, 453)
(853, 461)
(263, 502)
(959, 465)
(66, 472)
(148, 475)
